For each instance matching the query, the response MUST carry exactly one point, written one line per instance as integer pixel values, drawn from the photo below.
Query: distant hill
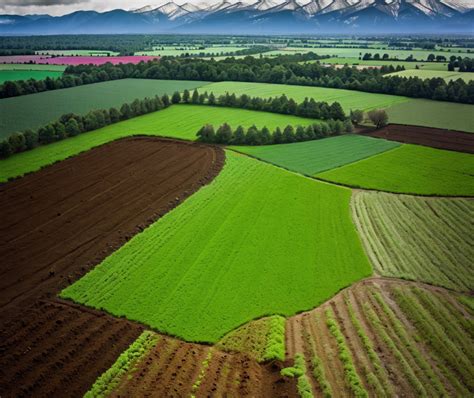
(263, 16)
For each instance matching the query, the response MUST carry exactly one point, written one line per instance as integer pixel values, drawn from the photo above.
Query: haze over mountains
(260, 17)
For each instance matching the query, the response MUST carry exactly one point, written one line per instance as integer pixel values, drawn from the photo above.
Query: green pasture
(410, 169)
(430, 74)
(13, 75)
(312, 157)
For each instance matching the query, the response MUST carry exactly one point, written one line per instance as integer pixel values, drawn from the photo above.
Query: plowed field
(435, 138)
(56, 225)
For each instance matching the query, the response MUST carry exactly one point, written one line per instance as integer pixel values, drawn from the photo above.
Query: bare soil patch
(56, 225)
(436, 138)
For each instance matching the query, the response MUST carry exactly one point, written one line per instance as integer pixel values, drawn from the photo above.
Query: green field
(347, 98)
(429, 74)
(356, 52)
(12, 75)
(440, 114)
(313, 157)
(33, 67)
(179, 121)
(257, 241)
(424, 239)
(410, 169)
(35, 110)
(407, 65)
(68, 53)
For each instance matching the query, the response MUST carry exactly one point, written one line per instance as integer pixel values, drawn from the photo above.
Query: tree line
(463, 64)
(254, 136)
(70, 125)
(286, 69)
(295, 70)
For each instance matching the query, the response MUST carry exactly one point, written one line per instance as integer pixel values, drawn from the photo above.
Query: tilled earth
(56, 225)
(435, 138)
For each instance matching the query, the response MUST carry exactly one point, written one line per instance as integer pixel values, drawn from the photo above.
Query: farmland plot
(386, 338)
(177, 121)
(12, 75)
(49, 106)
(312, 157)
(233, 242)
(410, 169)
(423, 239)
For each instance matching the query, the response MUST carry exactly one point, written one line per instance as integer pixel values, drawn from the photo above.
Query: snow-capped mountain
(260, 16)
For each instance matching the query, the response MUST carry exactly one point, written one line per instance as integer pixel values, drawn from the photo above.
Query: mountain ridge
(257, 17)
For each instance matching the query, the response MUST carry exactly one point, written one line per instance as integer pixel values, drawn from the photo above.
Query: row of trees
(71, 125)
(255, 136)
(291, 69)
(283, 105)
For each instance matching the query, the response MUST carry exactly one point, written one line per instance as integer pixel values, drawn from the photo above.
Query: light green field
(36, 110)
(424, 239)
(257, 241)
(32, 67)
(313, 157)
(178, 121)
(429, 74)
(356, 52)
(12, 75)
(69, 53)
(176, 51)
(347, 98)
(410, 169)
(421, 112)
(406, 65)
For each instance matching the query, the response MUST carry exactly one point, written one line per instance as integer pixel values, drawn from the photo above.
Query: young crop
(202, 373)
(352, 378)
(106, 383)
(275, 345)
(299, 371)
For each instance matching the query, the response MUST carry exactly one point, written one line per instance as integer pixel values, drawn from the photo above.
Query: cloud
(41, 3)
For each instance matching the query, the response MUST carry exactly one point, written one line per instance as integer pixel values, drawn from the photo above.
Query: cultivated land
(178, 121)
(428, 74)
(424, 239)
(95, 53)
(438, 114)
(386, 338)
(312, 157)
(57, 217)
(176, 368)
(12, 75)
(410, 169)
(50, 105)
(347, 98)
(435, 138)
(205, 257)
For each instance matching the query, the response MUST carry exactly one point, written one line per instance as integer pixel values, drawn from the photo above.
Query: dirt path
(56, 225)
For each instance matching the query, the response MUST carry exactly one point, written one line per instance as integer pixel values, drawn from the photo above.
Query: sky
(61, 7)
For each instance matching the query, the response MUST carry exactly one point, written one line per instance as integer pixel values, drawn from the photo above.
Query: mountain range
(260, 17)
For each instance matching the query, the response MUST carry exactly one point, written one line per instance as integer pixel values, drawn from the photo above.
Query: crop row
(385, 339)
(423, 239)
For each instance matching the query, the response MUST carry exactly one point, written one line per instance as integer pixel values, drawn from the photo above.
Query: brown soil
(435, 138)
(56, 225)
(172, 368)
